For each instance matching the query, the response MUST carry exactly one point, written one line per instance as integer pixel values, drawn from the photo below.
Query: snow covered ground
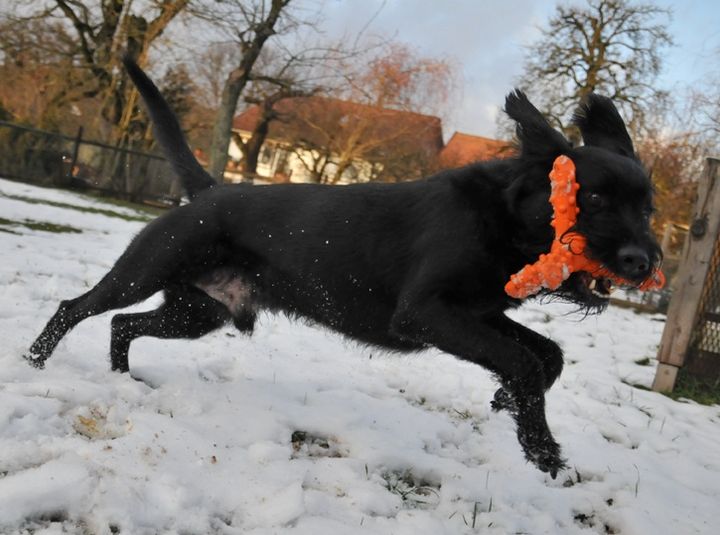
(299, 431)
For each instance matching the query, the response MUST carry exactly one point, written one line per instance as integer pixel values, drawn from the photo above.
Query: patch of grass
(591, 521)
(415, 492)
(151, 213)
(462, 415)
(635, 385)
(643, 362)
(43, 226)
(306, 444)
(688, 387)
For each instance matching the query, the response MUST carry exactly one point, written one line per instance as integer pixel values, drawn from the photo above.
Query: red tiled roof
(463, 149)
(328, 122)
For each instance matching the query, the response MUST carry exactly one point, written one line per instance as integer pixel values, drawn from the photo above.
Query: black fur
(400, 266)
(601, 125)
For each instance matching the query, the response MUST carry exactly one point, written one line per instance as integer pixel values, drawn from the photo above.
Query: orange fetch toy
(567, 253)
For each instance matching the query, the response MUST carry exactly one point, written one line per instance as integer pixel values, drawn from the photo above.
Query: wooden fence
(691, 338)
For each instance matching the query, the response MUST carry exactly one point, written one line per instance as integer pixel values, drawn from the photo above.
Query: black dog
(400, 266)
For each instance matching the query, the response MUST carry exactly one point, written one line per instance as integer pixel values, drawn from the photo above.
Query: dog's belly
(366, 322)
(229, 288)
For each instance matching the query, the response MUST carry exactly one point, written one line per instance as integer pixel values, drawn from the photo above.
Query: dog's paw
(120, 369)
(544, 453)
(550, 464)
(34, 360)
(503, 401)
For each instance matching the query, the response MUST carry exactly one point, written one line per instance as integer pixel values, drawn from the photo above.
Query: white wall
(294, 165)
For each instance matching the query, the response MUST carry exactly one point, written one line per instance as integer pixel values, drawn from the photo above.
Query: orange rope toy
(567, 251)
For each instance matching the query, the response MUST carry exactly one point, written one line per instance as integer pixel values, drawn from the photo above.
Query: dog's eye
(595, 201)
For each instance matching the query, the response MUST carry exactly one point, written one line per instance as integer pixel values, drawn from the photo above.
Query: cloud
(486, 38)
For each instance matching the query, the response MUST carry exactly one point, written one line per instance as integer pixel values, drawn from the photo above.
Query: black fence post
(42, 157)
(76, 150)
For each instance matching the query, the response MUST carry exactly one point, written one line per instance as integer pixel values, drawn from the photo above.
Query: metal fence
(49, 158)
(703, 356)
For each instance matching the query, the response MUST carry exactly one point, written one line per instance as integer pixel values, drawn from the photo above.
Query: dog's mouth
(582, 288)
(599, 287)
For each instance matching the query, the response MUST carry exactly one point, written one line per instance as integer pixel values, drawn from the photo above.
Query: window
(266, 155)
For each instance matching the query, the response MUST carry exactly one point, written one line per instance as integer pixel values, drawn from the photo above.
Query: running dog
(400, 266)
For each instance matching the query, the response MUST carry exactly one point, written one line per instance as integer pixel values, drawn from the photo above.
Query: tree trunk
(341, 168)
(236, 82)
(251, 148)
(222, 129)
(120, 106)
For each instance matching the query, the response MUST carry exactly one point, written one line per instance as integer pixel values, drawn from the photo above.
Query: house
(463, 149)
(326, 140)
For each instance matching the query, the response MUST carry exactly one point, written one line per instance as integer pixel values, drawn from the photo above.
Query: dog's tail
(169, 134)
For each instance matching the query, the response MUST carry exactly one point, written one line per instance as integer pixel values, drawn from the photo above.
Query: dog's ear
(537, 138)
(601, 125)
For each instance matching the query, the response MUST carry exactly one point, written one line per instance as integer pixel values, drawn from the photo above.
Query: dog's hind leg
(108, 294)
(187, 313)
(61, 322)
(132, 279)
(152, 261)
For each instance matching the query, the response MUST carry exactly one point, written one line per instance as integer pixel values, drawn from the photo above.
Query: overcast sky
(486, 38)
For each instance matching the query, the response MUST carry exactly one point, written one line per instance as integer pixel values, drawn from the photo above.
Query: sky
(486, 37)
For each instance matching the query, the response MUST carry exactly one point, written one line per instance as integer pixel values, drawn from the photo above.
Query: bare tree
(706, 107)
(340, 140)
(675, 163)
(613, 47)
(400, 78)
(93, 37)
(366, 129)
(38, 73)
(298, 62)
(212, 67)
(251, 24)
(284, 73)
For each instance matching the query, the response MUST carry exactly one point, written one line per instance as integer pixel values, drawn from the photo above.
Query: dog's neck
(528, 204)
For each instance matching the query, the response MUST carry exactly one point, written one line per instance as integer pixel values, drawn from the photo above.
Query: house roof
(463, 149)
(336, 124)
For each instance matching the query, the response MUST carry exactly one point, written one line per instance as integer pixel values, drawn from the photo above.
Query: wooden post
(694, 264)
(666, 239)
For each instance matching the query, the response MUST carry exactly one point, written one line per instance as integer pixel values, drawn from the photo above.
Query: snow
(299, 431)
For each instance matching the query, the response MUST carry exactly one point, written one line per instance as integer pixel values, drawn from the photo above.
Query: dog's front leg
(469, 334)
(549, 353)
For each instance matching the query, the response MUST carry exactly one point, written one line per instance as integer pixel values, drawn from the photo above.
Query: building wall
(276, 159)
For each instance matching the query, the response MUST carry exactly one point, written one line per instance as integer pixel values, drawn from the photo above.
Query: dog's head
(615, 196)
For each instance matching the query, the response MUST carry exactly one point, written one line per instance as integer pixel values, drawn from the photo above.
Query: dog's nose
(634, 262)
